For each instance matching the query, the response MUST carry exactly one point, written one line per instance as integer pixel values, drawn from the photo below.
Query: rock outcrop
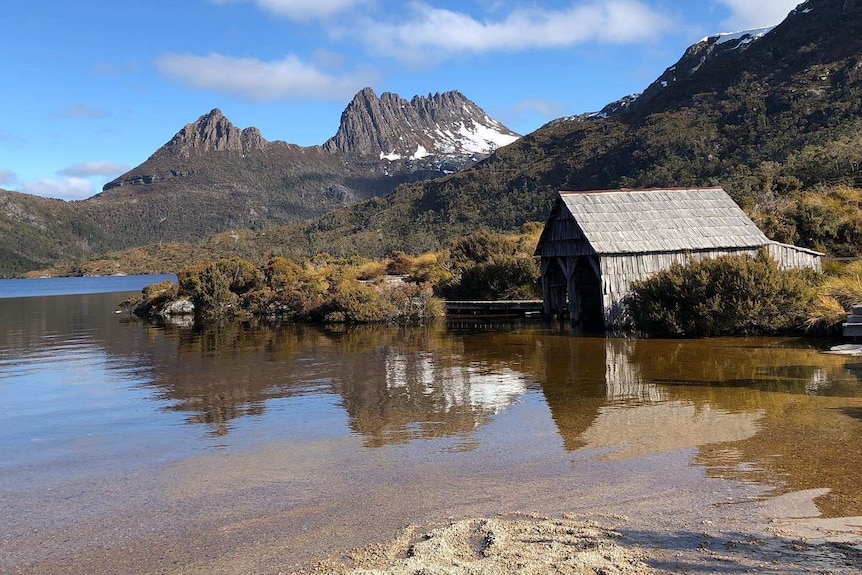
(392, 128)
(213, 132)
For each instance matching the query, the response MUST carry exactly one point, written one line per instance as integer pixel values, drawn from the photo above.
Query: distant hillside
(36, 232)
(763, 114)
(767, 114)
(212, 177)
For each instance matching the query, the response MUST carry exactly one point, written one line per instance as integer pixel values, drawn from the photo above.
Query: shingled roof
(661, 220)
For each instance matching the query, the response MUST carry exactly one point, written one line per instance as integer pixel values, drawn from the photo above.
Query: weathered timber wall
(620, 271)
(793, 257)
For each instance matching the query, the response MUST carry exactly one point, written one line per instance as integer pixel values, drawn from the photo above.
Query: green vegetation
(492, 266)
(840, 290)
(399, 288)
(322, 289)
(828, 219)
(744, 296)
(728, 295)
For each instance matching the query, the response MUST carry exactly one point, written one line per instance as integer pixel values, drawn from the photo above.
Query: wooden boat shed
(596, 243)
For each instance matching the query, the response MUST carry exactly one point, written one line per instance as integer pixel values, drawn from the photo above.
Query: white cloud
(94, 168)
(301, 10)
(60, 188)
(7, 177)
(746, 14)
(438, 33)
(259, 81)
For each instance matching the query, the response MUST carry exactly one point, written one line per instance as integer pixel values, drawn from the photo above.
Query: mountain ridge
(371, 129)
(763, 118)
(390, 127)
(212, 176)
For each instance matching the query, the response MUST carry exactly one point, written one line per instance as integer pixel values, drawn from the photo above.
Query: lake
(132, 448)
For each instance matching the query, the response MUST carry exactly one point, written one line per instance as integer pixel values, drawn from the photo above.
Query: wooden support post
(571, 265)
(574, 300)
(547, 305)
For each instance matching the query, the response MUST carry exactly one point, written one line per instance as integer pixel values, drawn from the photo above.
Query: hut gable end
(562, 236)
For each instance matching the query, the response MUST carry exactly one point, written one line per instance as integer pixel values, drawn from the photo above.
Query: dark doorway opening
(589, 295)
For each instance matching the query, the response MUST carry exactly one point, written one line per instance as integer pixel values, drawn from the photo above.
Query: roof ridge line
(638, 190)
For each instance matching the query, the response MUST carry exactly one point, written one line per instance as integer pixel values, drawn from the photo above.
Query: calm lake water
(126, 447)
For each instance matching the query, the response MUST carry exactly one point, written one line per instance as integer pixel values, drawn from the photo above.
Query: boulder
(178, 307)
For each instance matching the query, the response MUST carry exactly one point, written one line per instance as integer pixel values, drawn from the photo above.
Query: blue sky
(92, 88)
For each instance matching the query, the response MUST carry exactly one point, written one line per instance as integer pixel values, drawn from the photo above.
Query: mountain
(36, 231)
(764, 113)
(709, 49)
(213, 176)
(442, 125)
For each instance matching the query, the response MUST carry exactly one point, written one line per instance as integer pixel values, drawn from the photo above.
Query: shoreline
(222, 514)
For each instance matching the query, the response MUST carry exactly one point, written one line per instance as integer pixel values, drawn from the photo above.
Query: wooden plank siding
(620, 271)
(794, 257)
(596, 244)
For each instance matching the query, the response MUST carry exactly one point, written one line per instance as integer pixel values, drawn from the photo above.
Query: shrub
(399, 264)
(414, 303)
(728, 295)
(209, 289)
(480, 247)
(491, 266)
(430, 269)
(352, 301)
(836, 295)
(371, 271)
(160, 293)
(242, 275)
(505, 277)
(153, 298)
(825, 314)
(280, 272)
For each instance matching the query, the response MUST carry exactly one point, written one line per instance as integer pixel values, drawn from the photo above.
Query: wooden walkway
(519, 308)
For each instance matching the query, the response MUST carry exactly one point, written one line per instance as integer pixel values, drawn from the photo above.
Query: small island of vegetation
(399, 288)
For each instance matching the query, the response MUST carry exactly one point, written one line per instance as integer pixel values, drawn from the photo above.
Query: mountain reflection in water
(395, 384)
(768, 410)
(772, 411)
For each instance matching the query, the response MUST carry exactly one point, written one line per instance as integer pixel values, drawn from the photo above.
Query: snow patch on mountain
(420, 153)
(444, 125)
(744, 36)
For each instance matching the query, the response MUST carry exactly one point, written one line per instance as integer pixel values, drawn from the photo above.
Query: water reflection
(762, 410)
(396, 384)
(223, 373)
(774, 411)
(403, 394)
(626, 398)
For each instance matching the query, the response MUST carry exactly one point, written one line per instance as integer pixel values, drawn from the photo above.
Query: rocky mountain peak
(813, 30)
(712, 48)
(212, 132)
(390, 127)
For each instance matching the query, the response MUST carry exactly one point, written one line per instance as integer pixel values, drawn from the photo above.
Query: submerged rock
(181, 307)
